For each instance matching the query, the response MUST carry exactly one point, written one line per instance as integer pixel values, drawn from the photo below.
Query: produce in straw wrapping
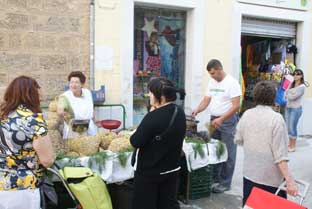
(53, 120)
(65, 104)
(58, 143)
(84, 145)
(52, 124)
(125, 133)
(120, 144)
(106, 138)
(53, 116)
(53, 106)
(198, 145)
(72, 154)
(210, 128)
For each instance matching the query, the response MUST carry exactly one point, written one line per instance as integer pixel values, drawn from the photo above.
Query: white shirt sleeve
(235, 90)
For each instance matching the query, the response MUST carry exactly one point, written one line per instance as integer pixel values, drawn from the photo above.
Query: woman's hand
(66, 116)
(291, 187)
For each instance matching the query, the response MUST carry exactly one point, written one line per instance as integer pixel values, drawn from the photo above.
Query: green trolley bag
(88, 187)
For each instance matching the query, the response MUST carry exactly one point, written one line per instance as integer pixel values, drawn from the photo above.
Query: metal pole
(92, 38)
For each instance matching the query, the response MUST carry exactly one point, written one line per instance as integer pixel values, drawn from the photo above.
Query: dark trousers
(248, 185)
(225, 133)
(155, 192)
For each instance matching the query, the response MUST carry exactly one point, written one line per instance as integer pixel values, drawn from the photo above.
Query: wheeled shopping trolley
(73, 199)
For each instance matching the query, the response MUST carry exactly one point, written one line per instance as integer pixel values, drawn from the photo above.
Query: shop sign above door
(289, 4)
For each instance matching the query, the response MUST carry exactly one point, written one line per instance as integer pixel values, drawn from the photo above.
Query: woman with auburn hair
(25, 147)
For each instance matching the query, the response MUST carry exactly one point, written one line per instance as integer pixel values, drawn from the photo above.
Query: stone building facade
(44, 39)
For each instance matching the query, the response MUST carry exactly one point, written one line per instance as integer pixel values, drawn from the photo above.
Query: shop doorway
(159, 50)
(260, 57)
(268, 52)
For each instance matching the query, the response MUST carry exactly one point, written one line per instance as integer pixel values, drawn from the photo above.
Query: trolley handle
(54, 170)
(56, 166)
(301, 194)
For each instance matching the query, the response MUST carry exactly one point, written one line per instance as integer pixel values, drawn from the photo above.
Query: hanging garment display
(159, 50)
(171, 37)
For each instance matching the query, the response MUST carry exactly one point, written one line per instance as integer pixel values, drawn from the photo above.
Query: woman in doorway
(25, 147)
(158, 141)
(76, 104)
(293, 110)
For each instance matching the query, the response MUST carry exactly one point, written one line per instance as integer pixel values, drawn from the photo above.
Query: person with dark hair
(158, 141)
(151, 45)
(223, 98)
(76, 104)
(77, 74)
(263, 134)
(214, 63)
(25, 147)
(293, 110)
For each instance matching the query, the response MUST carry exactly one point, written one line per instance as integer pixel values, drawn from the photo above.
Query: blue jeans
(292, 116)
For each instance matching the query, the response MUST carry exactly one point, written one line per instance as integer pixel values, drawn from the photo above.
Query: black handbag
(157, 137)
(47, 191)
(48, 194)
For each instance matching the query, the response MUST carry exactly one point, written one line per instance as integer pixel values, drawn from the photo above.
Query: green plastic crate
(196, 184)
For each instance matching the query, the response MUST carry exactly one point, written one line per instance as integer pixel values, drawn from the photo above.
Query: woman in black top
(157, 159)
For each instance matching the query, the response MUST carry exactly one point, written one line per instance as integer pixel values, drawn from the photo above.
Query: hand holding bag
(260, 199)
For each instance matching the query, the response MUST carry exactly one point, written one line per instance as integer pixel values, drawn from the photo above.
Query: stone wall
(45, 39)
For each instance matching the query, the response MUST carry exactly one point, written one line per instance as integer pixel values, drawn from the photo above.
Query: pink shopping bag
(287, 81)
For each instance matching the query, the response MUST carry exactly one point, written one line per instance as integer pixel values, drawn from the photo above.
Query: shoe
(220, 188)
(215, 184)
(291, 149)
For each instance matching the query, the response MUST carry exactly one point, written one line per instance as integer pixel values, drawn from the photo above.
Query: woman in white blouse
(76, 103)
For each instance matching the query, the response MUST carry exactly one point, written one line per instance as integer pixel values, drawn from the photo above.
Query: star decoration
(149, 27)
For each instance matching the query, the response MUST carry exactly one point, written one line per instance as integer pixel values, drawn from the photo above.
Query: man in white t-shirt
(223, 98)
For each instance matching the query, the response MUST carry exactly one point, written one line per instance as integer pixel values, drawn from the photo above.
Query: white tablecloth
(112, 171)
(195, 161)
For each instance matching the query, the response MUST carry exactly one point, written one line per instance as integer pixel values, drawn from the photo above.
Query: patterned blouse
(20, 129)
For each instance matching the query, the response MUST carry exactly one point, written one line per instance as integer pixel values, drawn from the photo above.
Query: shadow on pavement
(216, 201)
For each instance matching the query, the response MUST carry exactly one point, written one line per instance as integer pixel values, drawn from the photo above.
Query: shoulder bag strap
(159, 137)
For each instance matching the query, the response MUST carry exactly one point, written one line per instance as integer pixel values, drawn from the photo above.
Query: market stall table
(116, 167)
